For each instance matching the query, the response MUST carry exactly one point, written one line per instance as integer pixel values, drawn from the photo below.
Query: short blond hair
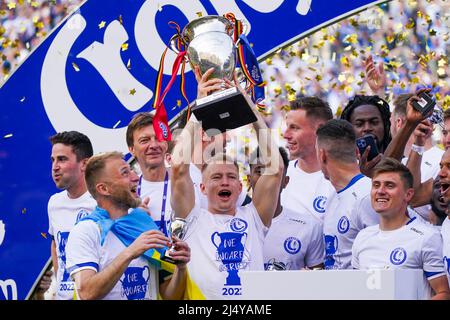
(220, 158)
(95, 167)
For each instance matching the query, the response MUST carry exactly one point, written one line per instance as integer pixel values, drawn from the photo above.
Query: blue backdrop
(91, 74)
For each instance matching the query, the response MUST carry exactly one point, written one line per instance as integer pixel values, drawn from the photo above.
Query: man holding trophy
(224, 239)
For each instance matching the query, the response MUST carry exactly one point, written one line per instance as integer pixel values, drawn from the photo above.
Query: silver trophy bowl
(210, 45)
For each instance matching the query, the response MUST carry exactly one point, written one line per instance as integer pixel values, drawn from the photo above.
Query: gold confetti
(117, 123)
(269, 61)
(132, 91)
(318, 77)
(9, 135)
(199, 14)
(11, 5)
(24, 210)
(351, 38)
(102, 24)
(129, 64)
(277, 91)
(441, 72)
(34, 4)
(178, 103)
(410, 24)
(345, 61)
(75, 67)
(432, 32)
(120, 19)
(124, 47)
(390, 38)
(44, 235)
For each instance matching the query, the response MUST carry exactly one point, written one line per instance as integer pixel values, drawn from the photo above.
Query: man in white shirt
(399, 241)
(308, 190)
(205, 145)
(154, 183)
(102, 264)
(295, 239)
(444, 176)
(224, 238)
(70, 153)
(337, 154)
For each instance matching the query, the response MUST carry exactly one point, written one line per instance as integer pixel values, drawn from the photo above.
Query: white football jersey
(415, 245)
(307, 192)
(445, 231)
(159, 205)
(84, 251)
(294, 239)
(338, 232)
(223, 245)
(63, 213)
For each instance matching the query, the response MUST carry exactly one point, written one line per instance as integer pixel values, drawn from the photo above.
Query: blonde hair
(95, 167)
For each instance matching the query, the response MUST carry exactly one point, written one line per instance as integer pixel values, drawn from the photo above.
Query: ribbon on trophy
(160, 122)
(248, 63)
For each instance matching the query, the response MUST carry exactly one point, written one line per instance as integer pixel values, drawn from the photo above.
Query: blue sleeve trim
(352, 182)
(82, 265)
(432, 274)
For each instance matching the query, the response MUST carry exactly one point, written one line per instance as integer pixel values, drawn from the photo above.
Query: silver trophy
(178, 228)
(209, 42)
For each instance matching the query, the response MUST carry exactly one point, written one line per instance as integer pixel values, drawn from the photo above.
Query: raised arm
(375, 76)
(422, 191)
(396, 148)
(267, 189)
(183, 192)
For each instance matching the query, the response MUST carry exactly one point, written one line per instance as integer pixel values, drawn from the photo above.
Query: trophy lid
(210, 23)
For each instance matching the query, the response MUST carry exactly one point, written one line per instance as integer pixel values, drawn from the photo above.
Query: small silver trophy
(178, 228)
(274, 265)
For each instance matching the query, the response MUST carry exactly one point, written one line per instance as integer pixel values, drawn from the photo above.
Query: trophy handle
(173, 46)
(245, 27)
(212, 239)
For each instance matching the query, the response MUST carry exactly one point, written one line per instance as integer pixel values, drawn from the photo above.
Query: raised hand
(412, 115)
(375, 76)
(205, 86)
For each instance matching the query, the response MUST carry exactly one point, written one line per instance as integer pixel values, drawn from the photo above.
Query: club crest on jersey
(164, 129)
(292, 245)
(343, 225)
(81, 214)
(238, 225)
(398, 256)
(319, 204)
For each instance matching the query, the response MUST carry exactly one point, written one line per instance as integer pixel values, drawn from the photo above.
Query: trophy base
(165, 257)
(223, 111)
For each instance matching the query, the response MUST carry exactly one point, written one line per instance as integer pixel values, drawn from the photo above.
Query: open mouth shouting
(224, 194)
(444, 189)
(133, 190)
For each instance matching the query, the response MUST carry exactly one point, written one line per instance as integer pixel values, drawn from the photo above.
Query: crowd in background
(410, 38)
